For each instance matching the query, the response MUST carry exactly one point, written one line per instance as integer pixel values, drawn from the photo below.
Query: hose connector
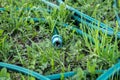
(56, 39)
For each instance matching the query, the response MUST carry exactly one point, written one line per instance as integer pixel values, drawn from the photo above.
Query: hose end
(57, 41)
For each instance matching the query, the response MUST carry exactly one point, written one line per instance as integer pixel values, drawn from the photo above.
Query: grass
(28, 44)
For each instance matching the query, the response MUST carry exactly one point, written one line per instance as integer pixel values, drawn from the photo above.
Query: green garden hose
(39, 76)
(85, 19)
(23, 70)
(110, 72)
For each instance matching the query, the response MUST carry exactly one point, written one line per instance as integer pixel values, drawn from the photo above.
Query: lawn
(28, 44)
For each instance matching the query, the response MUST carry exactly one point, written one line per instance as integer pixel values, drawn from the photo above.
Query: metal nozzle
(56, 39)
